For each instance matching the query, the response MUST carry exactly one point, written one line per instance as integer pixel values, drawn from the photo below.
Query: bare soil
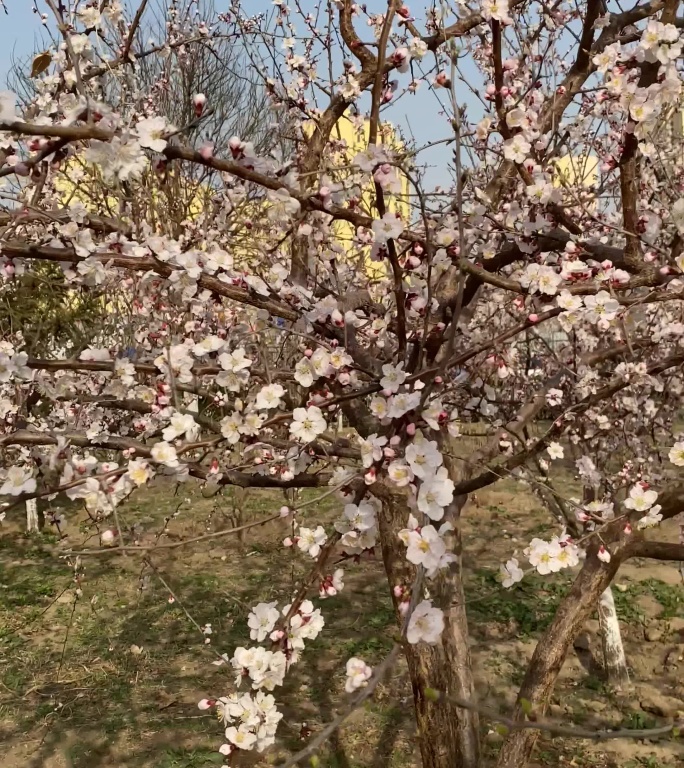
(102, 674)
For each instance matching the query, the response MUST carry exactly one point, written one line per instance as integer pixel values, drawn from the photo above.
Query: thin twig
(175, 544)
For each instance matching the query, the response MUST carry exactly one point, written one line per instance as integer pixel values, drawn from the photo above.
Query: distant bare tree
(212, 61)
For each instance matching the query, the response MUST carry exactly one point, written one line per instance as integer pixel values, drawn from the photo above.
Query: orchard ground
(113, 678)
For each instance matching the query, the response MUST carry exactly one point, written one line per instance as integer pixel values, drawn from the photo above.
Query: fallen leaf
(40, 63)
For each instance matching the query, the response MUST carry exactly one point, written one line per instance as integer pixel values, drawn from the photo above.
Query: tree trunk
(32, 515)
(447, 735)
(551, 652)
(614, 660)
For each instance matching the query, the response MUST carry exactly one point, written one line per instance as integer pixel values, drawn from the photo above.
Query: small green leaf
(432, 695)
(502, 730)
(526, 706)
(40, 63)
(314, 761)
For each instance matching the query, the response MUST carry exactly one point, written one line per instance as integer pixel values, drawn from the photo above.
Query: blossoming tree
(182, 381)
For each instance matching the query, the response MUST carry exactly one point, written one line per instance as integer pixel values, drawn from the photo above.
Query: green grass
(531, 604)
(670, 597)
(626, 606)
(28, 590)
(194, 758)
(105, 706)
(115, 700)
(638, 721)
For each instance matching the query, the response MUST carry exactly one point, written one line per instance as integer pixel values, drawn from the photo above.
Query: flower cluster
(256, 714)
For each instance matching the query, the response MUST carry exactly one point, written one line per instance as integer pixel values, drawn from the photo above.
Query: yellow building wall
(80, 181)
(355, 139)
(581, 170)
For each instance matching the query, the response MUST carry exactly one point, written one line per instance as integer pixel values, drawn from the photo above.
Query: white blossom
(17, 481)
(164, 453)
(307, 423)
(510, 573)
(426, 624)
(358, 674)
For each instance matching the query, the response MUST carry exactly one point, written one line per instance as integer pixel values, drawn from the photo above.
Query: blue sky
(416, 115)
(19, 32)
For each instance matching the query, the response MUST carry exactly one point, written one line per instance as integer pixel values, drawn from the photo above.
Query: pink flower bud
(386, 393)
(398, 590)
(206, 151)
(284, 511)
(337, 318)
(199, 101)
(287, 542)
(439, 380)
(411, 429)
(308, 352)
(603, 554)
(533, 318)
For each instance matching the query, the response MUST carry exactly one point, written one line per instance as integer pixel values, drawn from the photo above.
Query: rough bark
(447, 735)
(551, 652)
(593, 580)
(614, 661)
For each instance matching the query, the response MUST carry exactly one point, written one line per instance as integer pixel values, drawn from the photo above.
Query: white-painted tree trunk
(32, 515)
(614, 660)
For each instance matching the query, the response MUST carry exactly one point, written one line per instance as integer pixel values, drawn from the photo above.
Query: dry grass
(75, 692)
